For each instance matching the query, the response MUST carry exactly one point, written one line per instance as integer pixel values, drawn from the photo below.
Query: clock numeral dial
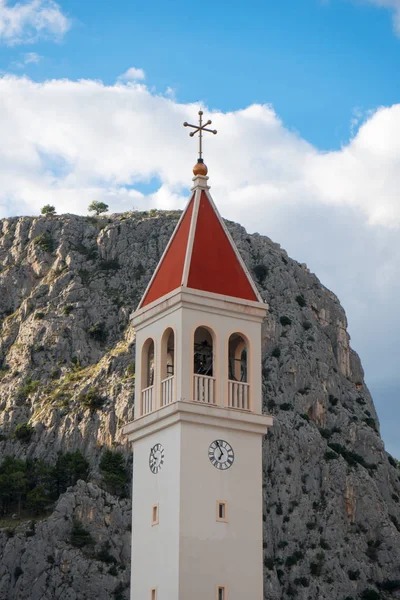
(221, 454)
(156, 458)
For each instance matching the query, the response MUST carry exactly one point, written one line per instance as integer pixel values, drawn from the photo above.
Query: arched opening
(237, 358)
(148, 364)
(203, 366)
(147, 376)
(238, 385)
(167, 366)
(203, 355)
(168, 353)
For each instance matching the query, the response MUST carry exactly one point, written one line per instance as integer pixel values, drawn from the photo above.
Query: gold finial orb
(200, 168)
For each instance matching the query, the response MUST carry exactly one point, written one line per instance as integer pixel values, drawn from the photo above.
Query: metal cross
(200, 128)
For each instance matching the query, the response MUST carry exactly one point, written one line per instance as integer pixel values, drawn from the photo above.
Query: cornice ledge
(200, 414)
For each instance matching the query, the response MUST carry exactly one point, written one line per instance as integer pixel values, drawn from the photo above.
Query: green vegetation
(325, 433)
(23, 432)
(90, 253)
(371, 423)
(276, 352)
(389, 585)
(307, 325)
(48, 210)
(138, 271)
(269, 563)
(372, 549)
(285, 321)
(80, 536)
(32, 485)
(317, 565)
(330, 455)
(370, 594)
(304, 391)
(109, 265)
(131, 370)
(118, 593)
(67, 309)
(84, 276)
(260, 272)
(294, 558)
(98, 207)
(114, 472)
(98, 332)
(104, 553)
(46, 242)
(354, 575)
(352, 458)
(39, 315)
(286, 406)
(303, 581)
(301, 301)
(91, 399)
(30, 387)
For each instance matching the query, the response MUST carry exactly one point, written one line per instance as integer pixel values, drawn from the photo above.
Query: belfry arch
(238, 357)
(238, 372)
(167, 366)
(147, 376)
(203, 352)
(203, 366)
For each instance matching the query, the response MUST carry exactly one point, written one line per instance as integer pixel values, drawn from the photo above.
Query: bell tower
(198, 427)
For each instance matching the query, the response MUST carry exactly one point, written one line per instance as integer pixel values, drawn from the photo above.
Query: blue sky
(316, 62)
(305, 95)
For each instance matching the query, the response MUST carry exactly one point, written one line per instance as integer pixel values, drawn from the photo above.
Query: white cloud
(132, 74)
(30, 21)
(27, 58)
(31, 57)
(67, 143)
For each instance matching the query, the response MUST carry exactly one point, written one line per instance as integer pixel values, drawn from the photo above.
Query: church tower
(198, 427)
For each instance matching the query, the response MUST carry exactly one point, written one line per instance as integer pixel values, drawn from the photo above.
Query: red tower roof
(201, 255)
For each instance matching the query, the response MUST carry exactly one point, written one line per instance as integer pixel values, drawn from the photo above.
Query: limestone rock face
(331, 493)
(42, 563)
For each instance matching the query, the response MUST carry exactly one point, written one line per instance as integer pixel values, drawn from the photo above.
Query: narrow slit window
(222, 593)
(153, 595)
(222, 511)
(154, 515)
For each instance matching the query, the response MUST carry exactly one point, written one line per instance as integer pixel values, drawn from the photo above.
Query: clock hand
(220, 449)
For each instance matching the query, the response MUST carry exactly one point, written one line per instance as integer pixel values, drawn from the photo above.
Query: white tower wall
(189, 551)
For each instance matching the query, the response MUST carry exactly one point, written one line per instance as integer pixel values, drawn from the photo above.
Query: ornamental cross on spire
(200, 128)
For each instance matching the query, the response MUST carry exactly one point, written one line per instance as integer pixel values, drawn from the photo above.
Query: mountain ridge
(68, 286)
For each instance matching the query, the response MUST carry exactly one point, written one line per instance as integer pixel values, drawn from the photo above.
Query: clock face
(221, 454)
(156, 458)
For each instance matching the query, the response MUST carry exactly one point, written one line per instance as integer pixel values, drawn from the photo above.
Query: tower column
(197, 487)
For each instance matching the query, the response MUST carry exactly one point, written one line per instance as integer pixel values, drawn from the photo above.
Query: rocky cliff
(331, 493)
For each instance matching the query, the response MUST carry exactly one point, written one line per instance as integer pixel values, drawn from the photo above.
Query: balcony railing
(147, 400)
(238, 395)
(204, 389)
(167, 391)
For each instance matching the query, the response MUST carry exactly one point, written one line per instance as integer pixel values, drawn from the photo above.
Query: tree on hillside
(114, 472)
(48, 210)
(69, 468)
(98, 207)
